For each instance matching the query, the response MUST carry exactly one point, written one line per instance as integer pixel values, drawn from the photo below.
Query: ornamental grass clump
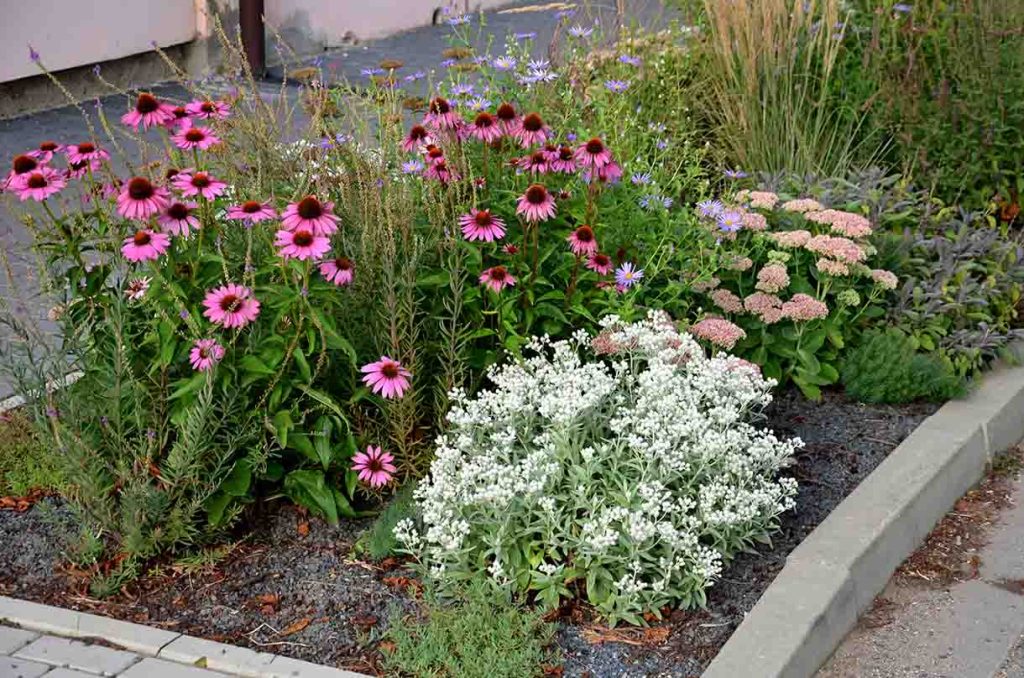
(623, 468)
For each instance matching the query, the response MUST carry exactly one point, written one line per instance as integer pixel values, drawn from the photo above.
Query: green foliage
(887, 367)
(25, 464)
(481, 633)
(378, 541)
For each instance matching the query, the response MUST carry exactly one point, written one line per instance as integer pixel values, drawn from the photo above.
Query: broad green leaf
(309, 488)
(238, 481)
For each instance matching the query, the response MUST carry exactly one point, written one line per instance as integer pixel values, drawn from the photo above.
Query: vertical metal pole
(250, 23)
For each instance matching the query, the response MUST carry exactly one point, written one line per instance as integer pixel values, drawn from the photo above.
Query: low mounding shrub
(631, 475)
(886, 367)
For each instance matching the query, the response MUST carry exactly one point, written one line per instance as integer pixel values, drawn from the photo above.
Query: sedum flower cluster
(623, 467)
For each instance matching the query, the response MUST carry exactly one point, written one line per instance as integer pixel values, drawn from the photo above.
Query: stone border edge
(836, 571)
(160, 643)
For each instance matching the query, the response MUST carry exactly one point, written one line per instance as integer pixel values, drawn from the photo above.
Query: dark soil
(292, 586)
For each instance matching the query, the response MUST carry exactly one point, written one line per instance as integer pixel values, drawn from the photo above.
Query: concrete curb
(167, 645)
(835, 573)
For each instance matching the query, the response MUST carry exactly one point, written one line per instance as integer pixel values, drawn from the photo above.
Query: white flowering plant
(624, 468)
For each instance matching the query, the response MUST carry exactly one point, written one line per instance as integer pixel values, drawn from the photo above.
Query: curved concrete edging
(835, 573)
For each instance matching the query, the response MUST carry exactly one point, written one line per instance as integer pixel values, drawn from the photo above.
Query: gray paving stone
(75, 654)
(10, 667)
(38, 617)
(12, 639)
(135, 637)
(159, 668)
(62, 672)
(217, 656)
(286, 667)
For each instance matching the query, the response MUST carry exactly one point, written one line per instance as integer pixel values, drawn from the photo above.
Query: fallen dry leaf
(555, 671)
(650, 636)
(296, 626)
(364, 621)
(403, 583)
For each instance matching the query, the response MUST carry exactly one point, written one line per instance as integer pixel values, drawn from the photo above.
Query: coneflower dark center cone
(536, 194)
(146, 103)
(139, 188)
(310, 208)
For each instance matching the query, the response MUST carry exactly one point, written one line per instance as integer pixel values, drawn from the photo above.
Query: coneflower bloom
(148, 112)
(140, 199)
(84, 151)
(536, 204)
(482, 225)
(441, 115)
(610, 173)
(39, 184)
(433, 155)
(508, 118)
(375, 467)
(339, 271)
(252, 211)
(45, 151)
(195, 137)
(21, 167)
(600, 264)
(77, 170)
(145, 245)
(532, 131)
(593, 154)
(178, 218)
(198, 183)
(550, 152)
(205, 354)
(441, 172)
(179, 118)
(497, 278)
(535, 163)
(583, 242)
(301, 244)
(208, 109)
(310, 214)
(231, 305)
(485, 127)
(627, 275)
(565, 162)
(137, 288)
(386, 377)
(510, 248)
(418, 136)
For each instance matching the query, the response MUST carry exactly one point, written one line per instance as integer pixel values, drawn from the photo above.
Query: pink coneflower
(178, 218)
(497, 278)
(45, 151)
(207, 110)
(507, 118)
(600, 264)
(339, 271)
(77, 170)
(583, 242)
(145, 245)
(39, 185)
(310, 214)
(205, 354)
(551, 152)
(433, 155)
(440, 171)
(485, 127)
(195, 137)
(137, 288)
(84, 152)
(198, 183)
(149, 112)
(482, 225)
(179, 118)
(418, 136)
(21, 167)
(231, 305)
(593, 154)
(141, 199)
(535, 163)
(565, 160)
(387, 377)
(301, 244)
(611, 173)
(252, 211)
(510, 248)
(718, 331)
(532, 131)
(441, 115)
(375, 467)
(536, 204)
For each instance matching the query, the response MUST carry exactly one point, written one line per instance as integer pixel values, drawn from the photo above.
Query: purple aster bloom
(461, 90)
(183, 314)
(459, 20)
(343, 138)
(479, 104)
(151, 434)
(656, 127)
(710, 208)
(735, 174)
(902, 8)
(571, 137)
(371, 72)
(578, 31)
(539, 65)
(641, 179)
(448, 63)
(662, 144)
(326, 142)
(413, 77)
(96, 70)
(730, 221)
(504, 63)
(524, 36)
(667, 202)
(616, 85)
(412, 167)
(628, 274)
(631, 60)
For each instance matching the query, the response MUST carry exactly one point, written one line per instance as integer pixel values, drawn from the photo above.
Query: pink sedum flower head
(600, 264)
(312, 215)
(205, 354)
(887, 280)
(375, 467)
(593, 154)
(485, 127)
(208, 110)
(582, 241)
(718, 331)
(790, 239)
(148, 112)
(482, 225)
(386, 377)
(179, 219)
(536, 204)
(417, 138)
(772, 278)
(39, 184)
(532, 131)
(252, 212)
(198, 183)
(802, 205)
(497, 278)
(231, 306)
(195, 137)
(763, 200)
(766, 307)
(803, 307)
(84, 152)
(140, 199)
(301, 244)
(727, 301)
(145, 245)
(339, 271)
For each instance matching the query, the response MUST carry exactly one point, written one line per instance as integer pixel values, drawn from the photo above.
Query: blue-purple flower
(505, 63)
(730, 221)
(578, 31)
(627, 275)
(710, 209)
(458, 20)
(616, 85)
(412, 167)
(413, 77)
(641, 179)
(629, 59)
(735, 174)
(371, 72)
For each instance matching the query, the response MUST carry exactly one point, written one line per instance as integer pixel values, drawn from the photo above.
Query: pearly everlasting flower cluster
(639, 473)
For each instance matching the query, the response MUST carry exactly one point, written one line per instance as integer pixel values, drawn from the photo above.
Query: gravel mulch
(292, 586)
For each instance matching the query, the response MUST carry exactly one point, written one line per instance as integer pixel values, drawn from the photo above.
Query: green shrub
(25, 464)
(379, 540)
(480, 634)
(886, 367)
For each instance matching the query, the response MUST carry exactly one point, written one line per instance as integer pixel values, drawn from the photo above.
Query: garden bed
(292, 586)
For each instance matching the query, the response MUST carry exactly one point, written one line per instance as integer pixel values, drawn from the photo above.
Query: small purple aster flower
(505, 63)
(735, 174)
(525, 36)
(902, 8)
(661, 145)
(479, 104)
(628, 274)
(616, 85)
(539, 65)
(461, 90)
(412, 167)
(730, 221)
(459, 20)
(96, 70)
(371, 72)
(448, 63)
(52, 413)
(710, 209)
(631, 60)
(413, 77)
(641, 179)
(578, 31)
(151, 434)
(183, 314)
(658, 127)
(571, 137)
(340, 138)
